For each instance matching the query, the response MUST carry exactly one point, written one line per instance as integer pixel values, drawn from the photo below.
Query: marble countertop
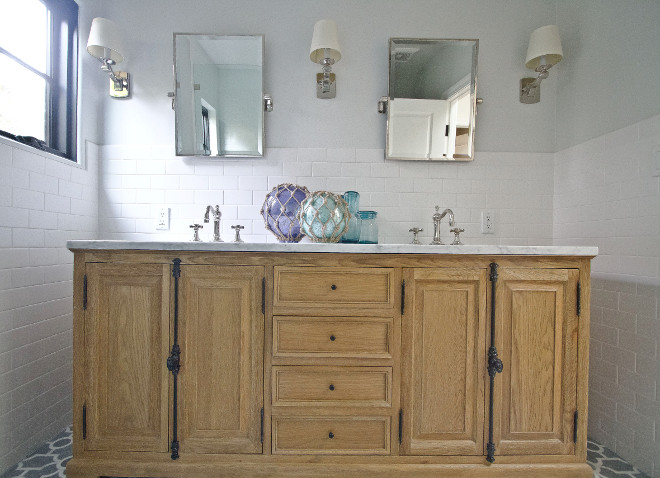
(341, 248)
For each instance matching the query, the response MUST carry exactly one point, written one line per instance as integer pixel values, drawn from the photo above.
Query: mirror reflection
(432, 99)
(219, 95)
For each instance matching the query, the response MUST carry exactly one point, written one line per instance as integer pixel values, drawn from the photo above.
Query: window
(38, 84)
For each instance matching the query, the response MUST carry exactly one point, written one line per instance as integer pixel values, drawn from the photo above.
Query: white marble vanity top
(342, 248)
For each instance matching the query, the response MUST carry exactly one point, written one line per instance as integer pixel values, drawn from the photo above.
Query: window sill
(30, 149)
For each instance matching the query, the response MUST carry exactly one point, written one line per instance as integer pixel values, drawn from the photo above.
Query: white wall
(136, 180)
(44, 201)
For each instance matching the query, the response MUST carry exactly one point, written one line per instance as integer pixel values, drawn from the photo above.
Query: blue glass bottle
(353, 233)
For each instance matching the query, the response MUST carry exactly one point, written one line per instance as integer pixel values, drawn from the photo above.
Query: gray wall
(609, 76)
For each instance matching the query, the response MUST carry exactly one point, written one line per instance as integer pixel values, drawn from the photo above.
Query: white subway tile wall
(403, 193)
(44, 201)
(606, 195)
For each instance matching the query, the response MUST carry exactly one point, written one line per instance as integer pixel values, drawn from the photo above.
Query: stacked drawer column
(333, 368)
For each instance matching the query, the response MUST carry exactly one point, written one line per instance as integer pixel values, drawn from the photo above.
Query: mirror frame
(260, 154)
(473, 97)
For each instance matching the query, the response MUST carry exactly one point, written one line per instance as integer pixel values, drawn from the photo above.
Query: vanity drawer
(335, 337)
(332, 386)
(331, 435)
(333, 287)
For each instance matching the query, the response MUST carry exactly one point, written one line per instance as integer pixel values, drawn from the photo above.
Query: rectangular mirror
(219, 104)
(431, 105)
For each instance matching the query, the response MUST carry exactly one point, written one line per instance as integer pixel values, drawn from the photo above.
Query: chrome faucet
(216, 221)
(437, 217)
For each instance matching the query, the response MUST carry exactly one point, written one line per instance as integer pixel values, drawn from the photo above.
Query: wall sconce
(105, 43)
(325, 51)
(543, 52)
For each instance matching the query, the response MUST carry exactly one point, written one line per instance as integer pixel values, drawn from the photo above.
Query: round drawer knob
(333, 287)
(331, 387)
(333, 338)
(331, 435)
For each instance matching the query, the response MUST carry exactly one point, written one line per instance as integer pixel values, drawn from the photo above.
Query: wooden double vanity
(248, 360)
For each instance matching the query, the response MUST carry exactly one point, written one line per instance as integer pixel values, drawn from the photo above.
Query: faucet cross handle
(457, 239)
(415, 231)
(196, 227)
(238, 228)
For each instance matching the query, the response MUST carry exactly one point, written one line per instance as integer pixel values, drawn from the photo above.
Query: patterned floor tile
(49, 461)
(608, 464)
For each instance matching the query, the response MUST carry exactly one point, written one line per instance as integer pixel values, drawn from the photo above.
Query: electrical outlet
(163, 219)
(487, 222)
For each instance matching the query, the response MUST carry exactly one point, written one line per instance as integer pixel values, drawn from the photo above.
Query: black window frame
(62, 82)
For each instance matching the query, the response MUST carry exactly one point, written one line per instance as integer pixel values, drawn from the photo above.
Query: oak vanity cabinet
(310, 364)
(129, 332)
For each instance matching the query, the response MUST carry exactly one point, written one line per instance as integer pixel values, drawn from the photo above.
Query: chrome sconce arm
(530, 91)
(120, 80)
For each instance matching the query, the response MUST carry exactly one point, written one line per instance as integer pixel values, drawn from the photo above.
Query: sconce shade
(544, 41)
(105, 40)
(325, 36)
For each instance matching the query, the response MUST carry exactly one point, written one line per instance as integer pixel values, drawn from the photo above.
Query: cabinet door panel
(126, 338)
(537, 345)
(443, 361)
(222, 359)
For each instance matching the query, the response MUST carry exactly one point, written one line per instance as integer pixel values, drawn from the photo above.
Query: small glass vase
(368, 227)
(352, 235)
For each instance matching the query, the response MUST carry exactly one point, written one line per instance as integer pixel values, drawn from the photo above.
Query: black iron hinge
(575, 425)
(84, 424)
(579, 299)
(400, 425)
(176, 268)
(85, 292)
(403, 296)
(262, 425)
(493, 272)
(263, 296)
(446, 130)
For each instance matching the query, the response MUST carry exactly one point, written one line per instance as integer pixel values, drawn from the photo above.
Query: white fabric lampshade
(105, 40)
(544, 41)
(325, 36)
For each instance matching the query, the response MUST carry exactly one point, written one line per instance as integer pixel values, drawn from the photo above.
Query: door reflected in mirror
(431, 104)
(219, 95)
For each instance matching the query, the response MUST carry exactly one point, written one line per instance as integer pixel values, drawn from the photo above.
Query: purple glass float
(280, 211)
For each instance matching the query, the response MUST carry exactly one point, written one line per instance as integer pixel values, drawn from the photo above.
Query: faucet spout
(437, 217)
(210, 210)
